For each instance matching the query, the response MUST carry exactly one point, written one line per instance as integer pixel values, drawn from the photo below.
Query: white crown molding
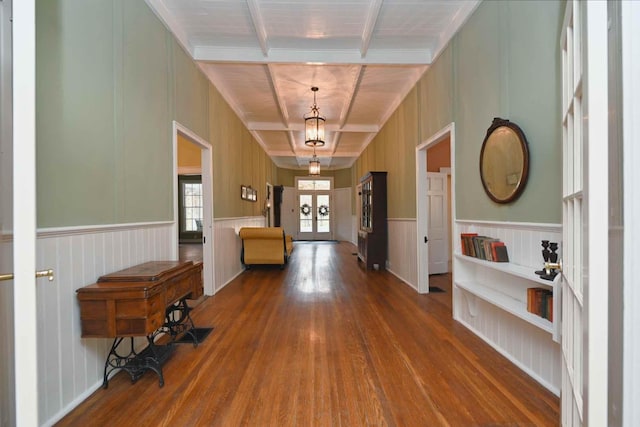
(317, 56)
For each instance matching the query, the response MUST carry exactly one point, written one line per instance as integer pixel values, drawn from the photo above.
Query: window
(190, 207)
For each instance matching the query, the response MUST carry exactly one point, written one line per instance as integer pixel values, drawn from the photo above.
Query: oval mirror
(504, 161)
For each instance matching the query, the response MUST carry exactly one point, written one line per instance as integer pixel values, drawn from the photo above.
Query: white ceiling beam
(369, 26)
(276, 91)
(353, 90)
(309, 154)
(274, 126)
(311, 56)
(258, 24)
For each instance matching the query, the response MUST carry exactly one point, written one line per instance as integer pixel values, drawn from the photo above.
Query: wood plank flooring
(324, 343)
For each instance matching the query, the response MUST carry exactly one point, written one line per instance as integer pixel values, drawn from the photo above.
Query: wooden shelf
(512, 269)
(506, 303)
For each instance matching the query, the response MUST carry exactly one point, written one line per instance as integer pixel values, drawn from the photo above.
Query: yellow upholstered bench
(265, 245)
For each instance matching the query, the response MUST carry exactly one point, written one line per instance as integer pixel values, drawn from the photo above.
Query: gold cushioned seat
(265, 245)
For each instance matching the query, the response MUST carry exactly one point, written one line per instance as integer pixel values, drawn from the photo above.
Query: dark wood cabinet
(372, 221)
(132, 302)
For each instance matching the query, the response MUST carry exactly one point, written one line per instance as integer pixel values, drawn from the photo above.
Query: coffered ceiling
(265, 55)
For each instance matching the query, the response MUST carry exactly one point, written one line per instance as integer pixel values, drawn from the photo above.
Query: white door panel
(584, 215)
(438, 225)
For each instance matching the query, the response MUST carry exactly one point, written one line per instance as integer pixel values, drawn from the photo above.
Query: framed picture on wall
(243, 192)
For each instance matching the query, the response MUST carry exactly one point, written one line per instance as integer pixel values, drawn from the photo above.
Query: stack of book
(483, 247)
(540, 302)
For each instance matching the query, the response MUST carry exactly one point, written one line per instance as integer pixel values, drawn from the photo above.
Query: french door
(585, 217)
(315, 219)
(315, 214)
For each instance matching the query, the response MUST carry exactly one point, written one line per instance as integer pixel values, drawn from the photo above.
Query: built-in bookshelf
(493, 299)
(505, 285)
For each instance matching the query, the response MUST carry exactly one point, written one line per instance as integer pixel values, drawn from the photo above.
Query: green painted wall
(507, 64)
(504, 62)
(110, 79)
(76, 157)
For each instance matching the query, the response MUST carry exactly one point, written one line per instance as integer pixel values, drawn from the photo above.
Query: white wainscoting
(527, 346)
(228, 245)
(402, 258)
(70, 368)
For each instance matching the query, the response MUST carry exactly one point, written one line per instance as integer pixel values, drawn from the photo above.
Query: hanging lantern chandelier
(314, 125)
(314, 133)
(314, 165)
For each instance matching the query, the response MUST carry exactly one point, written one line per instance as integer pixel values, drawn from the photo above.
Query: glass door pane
(306, 211)
(323, 213)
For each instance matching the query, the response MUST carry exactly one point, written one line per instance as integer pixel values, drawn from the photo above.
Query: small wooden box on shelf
(506, 285)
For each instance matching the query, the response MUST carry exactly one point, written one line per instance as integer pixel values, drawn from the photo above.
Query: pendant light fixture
(314, 125)
(314, 164)
(314, 133)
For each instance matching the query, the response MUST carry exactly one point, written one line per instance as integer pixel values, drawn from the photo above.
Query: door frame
(630, 14)
(422, 203)
(208, 266)
(24, 213)
(330, 192)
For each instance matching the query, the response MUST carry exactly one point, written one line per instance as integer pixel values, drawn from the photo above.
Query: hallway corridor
(325, 343)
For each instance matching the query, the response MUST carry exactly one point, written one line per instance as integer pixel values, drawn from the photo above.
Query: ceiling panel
(352, 142)
(248, 88)
(264, 56)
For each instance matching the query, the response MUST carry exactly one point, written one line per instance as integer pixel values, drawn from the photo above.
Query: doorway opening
(193, 201)
(315, 199)
(190, 216)
(435, 202)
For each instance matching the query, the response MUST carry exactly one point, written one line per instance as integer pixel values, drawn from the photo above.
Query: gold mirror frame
(504, 161)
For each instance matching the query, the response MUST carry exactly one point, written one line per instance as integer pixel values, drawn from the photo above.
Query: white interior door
(438, 223)
(585, 220)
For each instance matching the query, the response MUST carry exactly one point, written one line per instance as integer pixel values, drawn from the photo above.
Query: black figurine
(548, 255)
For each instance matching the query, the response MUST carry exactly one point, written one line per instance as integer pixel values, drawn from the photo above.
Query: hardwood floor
(324, 343)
